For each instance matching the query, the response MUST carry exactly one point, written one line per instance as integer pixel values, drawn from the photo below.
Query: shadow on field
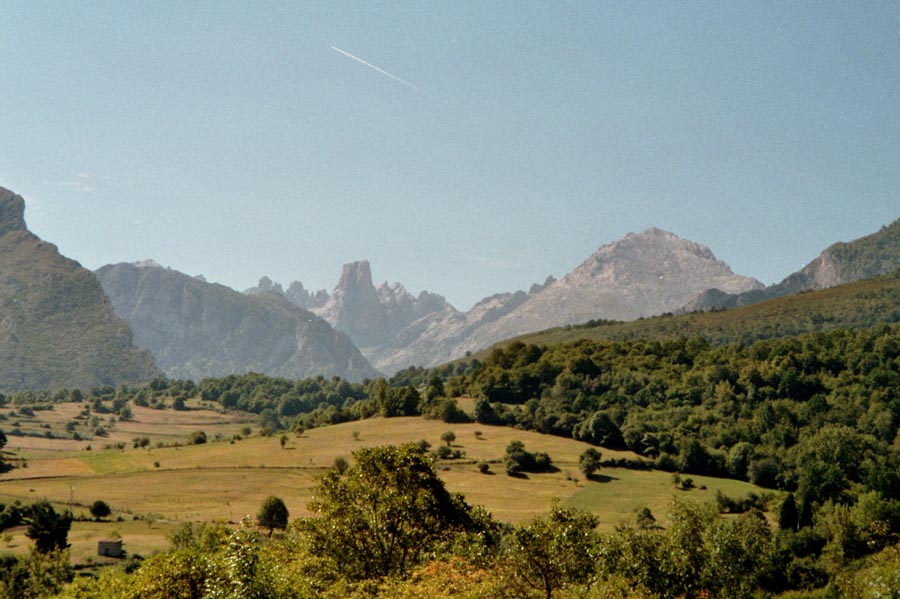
(601, 478)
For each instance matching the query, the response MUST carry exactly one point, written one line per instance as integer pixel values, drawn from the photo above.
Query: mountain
(641, 275)
(858, 305)
(372, 316)
(840, 263)
(296, 293)
(57, 328)
(197, 329)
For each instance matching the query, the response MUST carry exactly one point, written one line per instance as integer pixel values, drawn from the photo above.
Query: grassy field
(152, 490)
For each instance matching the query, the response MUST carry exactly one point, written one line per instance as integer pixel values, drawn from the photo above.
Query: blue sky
(233, 140)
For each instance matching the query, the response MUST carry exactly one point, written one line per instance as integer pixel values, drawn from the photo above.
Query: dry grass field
(153, 489)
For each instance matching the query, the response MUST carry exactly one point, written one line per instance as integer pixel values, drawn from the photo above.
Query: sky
(464, 148)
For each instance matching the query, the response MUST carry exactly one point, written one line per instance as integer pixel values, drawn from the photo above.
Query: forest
(813, 417)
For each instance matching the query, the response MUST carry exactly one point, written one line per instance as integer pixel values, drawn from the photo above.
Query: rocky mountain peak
(356, 277)
(354, 307)
(266, 284)
(57, 328)
(149, 263)
(656, 253)
(298, 294)
(12, 211)
(654, 241)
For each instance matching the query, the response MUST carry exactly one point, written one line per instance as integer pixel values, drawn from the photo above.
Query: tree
(788, 515)
(273, 514)
(517, 460)
(485, 413)
(48, 529)
(340, 464)
(448, 437)
(589, 462)
(384, 514)
(600, 429)
(547, 554)
(100, 509)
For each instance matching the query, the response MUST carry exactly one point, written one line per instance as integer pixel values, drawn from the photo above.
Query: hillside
(197, 329)
(57, 328)
(840, 263)
(855, 305)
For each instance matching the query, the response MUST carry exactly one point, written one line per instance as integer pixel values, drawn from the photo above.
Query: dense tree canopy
(384, 513)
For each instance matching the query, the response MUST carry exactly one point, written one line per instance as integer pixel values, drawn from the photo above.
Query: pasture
(153, 489)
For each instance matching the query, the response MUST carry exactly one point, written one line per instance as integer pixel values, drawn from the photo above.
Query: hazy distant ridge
(197, 329)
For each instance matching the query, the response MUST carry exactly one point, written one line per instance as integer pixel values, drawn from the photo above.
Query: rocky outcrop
(838, 264)
(305, 299)
(57, 328)
(353, 307)
(12, 212)
(295, 293)
(197, 329)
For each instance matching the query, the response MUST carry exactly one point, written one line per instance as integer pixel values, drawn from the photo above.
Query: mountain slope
(197, 329)
(840, 263)
(57, 328)
(641, 275)
(862, 304)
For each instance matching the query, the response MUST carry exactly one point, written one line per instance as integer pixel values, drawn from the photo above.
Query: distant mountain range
(57, 328)
(641, 275)
(59, 325)
(197, 329)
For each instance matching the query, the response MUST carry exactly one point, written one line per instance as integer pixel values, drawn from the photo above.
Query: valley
(154, 489)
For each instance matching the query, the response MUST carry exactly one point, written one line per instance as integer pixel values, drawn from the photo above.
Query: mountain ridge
(639, 275)
(57, 327)
(198, 329)
(840, 263)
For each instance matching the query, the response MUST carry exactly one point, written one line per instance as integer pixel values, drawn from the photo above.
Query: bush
(198, 438)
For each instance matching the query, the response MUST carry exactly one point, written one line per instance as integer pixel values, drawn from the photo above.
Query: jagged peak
(266, 284)
(148, 263)
(12, 211)
(355, 274)
(658, 240)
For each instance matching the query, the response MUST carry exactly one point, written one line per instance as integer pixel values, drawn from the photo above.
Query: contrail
(382, 71)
